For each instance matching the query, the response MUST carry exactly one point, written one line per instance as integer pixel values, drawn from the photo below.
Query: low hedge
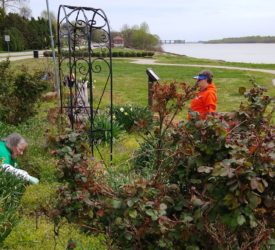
(128, 53)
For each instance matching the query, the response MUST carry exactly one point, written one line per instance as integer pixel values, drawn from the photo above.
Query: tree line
(138, 37)
(28, 33)
(246, 39)
(24, 33)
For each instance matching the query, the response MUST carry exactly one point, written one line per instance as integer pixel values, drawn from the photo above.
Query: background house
(118, 41)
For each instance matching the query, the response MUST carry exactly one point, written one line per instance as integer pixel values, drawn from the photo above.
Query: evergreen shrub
(19, 93)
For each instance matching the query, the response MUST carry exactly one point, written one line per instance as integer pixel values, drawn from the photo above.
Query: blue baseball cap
(200, 77)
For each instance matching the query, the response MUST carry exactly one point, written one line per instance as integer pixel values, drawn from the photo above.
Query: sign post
(7, 40)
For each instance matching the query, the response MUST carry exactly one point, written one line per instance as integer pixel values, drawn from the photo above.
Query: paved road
(14, 56)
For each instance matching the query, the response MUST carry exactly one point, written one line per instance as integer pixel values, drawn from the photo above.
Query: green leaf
(133, 213)
(257, 184)
(241, 219)
(91, 214)
(152, 213)
(231, 201)
(118, 220)
(195, 181)
(187, 218)
(253, 199)
(130, 203)
(271, 242)
(197, 202)
(128, 236)
(252, 221)
(116, 204)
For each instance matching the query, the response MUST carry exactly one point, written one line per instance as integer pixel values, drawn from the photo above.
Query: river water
(248, 53)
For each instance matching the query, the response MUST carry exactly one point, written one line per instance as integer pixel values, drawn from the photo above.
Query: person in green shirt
(11, 147)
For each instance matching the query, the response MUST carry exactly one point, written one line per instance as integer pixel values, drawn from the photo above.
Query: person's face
(18, 150)
(202, 84)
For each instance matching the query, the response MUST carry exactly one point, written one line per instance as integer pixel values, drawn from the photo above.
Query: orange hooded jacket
(205, 101)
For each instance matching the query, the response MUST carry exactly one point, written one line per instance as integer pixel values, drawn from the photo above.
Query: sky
(189, 20)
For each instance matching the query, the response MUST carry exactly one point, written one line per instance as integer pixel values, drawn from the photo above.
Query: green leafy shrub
(212, 188)
(133, 54)
(102, 128)
(6, 129)
(19, 93)
(17, 40)
(144, 53)
(115, 54)
(103, 53)
(127, 54)
(132, 117)
(121, 53)
(11, 191)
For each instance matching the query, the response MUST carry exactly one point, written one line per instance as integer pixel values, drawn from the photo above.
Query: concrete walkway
(153, 62)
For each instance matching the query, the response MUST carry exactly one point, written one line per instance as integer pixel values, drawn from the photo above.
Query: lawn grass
(129, 87)
(130, 80)
(172, 58)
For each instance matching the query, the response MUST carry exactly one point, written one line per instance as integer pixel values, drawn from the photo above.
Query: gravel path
(153, 62)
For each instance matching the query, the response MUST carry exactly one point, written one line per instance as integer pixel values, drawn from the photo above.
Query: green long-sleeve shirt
(5, 155)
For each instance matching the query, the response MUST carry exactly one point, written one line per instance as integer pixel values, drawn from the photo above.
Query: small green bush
(144, 53)
(96, 54)
(132, 117)
(6, 129)
(115, 54)
(102, 128)
(133, 54)
(121, 53)
(19, 93)
(127, 54)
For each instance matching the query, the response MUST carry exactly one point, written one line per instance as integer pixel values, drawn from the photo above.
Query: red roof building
(118, 41)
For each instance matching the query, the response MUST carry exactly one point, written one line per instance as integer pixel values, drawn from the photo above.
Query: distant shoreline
(246, 39)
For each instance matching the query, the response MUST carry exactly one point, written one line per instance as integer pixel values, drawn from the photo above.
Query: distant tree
(139, 37)
(144, 27)
(44, 14)
(2, 28)
(127, 35)
(25, 12)
(17, 41)
(11, 4)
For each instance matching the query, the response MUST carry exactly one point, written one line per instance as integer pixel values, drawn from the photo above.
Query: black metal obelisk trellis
(85, 69)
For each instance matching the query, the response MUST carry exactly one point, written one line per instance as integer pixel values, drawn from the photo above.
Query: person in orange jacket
(206, 99)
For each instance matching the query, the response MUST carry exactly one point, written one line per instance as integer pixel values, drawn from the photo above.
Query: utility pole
(57, 89)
